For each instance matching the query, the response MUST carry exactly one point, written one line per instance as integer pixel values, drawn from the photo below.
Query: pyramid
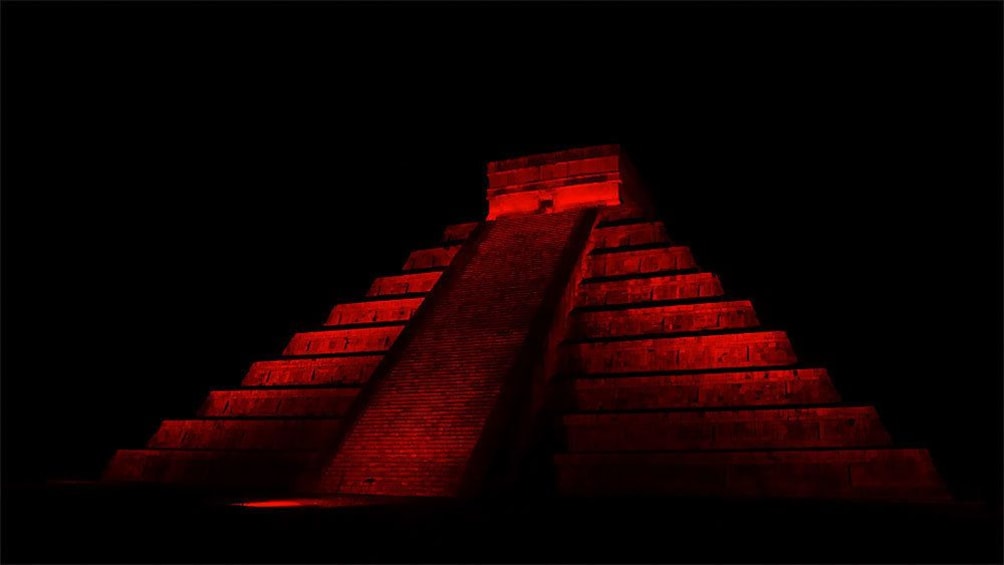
(564, 345)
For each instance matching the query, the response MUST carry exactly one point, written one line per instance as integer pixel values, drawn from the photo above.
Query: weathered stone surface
(758, 428)
(409, 283)
(354, 340)
(641, 261)
(625, 235)
(649, 289)
(433, 258)
(374, 311)
(350, 370)
(692, 353)
(312, 402)
(659, 320)
(712, 390)
(459, 232)
(278, 434)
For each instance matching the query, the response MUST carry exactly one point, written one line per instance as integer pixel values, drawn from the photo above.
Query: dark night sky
(185, 185)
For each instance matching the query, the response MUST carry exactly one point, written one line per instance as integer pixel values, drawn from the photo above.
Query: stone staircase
(442, 403)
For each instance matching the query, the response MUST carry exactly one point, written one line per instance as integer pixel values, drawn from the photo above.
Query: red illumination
(321, 502)
(272, 504)
(650, 289)
(772, 387)
(643, 233)
(373, 311)
(404, 284)
(437, 257)
(641, 261)
(347, 370)
(646, 319)
(691, 353)
(572, 292)
(354, 340)
(555, 182)
(418, 433)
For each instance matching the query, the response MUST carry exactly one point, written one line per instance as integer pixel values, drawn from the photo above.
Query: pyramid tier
(657, 318)
(245, 434)
(886, 473)
(628, 261)
(432, 258)
(746, 428)
(406, 284)
(608, 216)
(276, 401)
(625, 235)
(694, 390)
(459, 232)
(351, 340)
(373, 311)
(321, 370)
(648, 289)
(208, 468)
(685, 353)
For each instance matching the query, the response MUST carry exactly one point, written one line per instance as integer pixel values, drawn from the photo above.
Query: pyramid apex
(598, 175)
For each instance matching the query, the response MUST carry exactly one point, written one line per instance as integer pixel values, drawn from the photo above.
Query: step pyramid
(567, 323)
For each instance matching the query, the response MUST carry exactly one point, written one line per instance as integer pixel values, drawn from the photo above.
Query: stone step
(684, 353)
(749, 428)
(373, 311)
(513, 173)
(339, 369)
(408, 283)
(459, 232)
(648, 289)
(275, 401)
(352, 340)
(609, 216)
(632, 261)
(435, 257)
(657, 318)
(886, 473)
(745, 388)
(625, 235)
(279, 434)
(208, 468)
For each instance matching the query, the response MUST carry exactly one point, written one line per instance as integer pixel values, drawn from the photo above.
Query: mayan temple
(561, 345)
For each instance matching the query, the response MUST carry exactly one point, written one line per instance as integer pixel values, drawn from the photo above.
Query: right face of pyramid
(671, 387)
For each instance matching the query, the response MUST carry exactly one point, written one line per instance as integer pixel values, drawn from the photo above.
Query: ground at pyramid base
(155, 524)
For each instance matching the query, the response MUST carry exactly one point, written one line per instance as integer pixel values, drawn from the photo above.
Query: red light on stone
(271, 504)
(662, 383)
(317, 502)
(555, 182)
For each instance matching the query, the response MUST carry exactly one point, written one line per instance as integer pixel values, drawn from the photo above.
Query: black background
(185, 185)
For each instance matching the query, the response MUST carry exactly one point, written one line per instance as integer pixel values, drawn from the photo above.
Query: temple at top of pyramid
(555, 182)
(563, 346)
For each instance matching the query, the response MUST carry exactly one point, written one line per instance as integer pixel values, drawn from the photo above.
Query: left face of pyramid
(288, 411)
